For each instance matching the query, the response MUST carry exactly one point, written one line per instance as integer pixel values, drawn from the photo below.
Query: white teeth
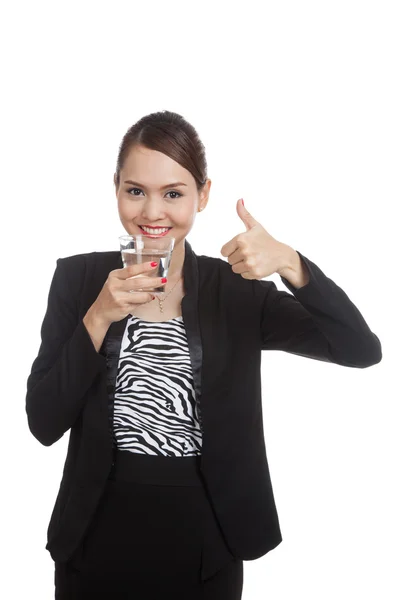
(155, 231)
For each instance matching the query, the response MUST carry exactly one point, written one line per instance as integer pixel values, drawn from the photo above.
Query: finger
(244, 214)
(247, 275)
(139, 298)
(236, 257)
(132, 270)
(229, 247)
(240, 268)
(140, 283)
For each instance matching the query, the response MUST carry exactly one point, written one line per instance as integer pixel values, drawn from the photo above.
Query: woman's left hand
(255, 254)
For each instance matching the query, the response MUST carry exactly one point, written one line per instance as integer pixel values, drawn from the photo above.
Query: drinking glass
(138, 249)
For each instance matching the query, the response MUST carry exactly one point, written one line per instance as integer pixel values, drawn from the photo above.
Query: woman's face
(146, 197)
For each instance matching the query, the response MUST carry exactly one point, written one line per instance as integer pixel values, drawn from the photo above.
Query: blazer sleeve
(67, 362)
(319, 321)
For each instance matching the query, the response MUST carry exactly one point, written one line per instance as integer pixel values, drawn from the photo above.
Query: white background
(297, 104)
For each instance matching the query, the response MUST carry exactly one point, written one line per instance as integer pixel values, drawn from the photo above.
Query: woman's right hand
(115, 301)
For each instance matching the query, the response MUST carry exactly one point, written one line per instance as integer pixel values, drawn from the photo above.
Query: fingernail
(242, 201)
(164, 280)
(153, 264)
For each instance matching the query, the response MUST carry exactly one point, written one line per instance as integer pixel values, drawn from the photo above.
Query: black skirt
(154, 535)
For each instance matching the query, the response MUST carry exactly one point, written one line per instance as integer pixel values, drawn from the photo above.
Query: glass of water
(138, 249)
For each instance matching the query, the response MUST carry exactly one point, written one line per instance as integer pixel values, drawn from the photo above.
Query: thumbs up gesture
(255, 254)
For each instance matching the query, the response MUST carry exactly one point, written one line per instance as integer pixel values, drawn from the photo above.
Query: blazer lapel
(190, 313)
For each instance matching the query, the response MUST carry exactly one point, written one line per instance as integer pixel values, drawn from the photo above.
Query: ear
(204, 194)
(115, 184)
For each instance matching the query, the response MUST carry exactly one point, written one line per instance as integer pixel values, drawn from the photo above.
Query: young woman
(166, 486)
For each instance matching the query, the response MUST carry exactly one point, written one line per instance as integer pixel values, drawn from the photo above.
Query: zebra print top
(154, 402)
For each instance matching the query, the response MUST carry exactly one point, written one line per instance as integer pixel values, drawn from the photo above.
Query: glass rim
(144, 244)
(140, 235)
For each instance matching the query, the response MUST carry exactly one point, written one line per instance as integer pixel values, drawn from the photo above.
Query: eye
(178, 195)
(134, 190)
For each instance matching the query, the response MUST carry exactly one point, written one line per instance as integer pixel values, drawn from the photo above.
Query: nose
(152, 211)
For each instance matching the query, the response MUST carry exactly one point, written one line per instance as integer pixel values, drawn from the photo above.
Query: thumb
(244, 214)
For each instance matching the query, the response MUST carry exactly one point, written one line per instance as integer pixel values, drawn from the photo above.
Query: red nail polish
(164, 280)
(153, 264)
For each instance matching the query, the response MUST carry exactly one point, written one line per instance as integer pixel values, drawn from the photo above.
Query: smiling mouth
(155, 228)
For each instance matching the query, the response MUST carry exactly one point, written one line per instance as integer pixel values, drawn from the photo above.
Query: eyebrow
(164, 187)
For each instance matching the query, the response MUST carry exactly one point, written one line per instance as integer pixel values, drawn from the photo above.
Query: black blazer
(229, 321)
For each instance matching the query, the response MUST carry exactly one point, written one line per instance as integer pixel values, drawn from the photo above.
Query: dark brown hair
(171, 134)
